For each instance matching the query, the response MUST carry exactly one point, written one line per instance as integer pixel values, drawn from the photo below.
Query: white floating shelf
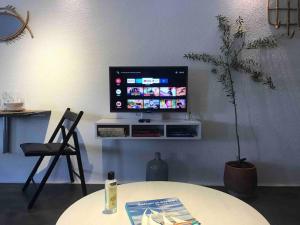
(155, 130)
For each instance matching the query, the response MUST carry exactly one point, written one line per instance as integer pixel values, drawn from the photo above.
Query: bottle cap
(111, 175)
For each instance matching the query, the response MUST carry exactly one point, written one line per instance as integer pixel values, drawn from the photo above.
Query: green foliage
(233, 37)
(233, 44)
(266, 42)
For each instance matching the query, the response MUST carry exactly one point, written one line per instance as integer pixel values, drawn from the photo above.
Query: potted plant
(240, 176)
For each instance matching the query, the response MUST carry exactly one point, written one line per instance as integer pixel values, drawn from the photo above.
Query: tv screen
(148, 89)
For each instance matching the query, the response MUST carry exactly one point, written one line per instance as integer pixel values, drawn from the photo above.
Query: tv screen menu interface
(148, 89)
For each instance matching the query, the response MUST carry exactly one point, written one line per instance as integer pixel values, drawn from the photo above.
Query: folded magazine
(168, 211)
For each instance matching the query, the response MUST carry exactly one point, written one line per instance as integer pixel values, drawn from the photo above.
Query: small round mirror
(10, 26)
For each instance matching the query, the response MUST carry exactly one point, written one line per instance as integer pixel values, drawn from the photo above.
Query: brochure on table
(168, 211)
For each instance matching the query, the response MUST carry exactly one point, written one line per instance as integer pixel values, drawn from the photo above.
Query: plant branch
(262, 43)
(207, 58)
(235, 116)
(231, 58)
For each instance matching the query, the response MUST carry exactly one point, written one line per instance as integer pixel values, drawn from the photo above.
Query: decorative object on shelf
(232, 60)
(111, 132)
(12, 25)
(13, 106)
(157, 169)
(284, 13)
(12, 102)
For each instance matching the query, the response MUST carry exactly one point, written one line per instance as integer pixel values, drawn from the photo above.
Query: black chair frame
(72, 150)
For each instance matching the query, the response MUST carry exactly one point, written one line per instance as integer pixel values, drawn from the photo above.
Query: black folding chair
(56, 149)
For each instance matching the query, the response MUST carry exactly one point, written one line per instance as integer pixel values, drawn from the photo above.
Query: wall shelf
(125, 129)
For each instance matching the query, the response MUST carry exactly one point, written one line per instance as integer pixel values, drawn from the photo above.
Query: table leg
(5, 134)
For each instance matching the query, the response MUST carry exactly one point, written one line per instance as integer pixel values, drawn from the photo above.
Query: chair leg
(43, 182)
(38, 163)
(81, 174)
(70, 167)
(79, 162)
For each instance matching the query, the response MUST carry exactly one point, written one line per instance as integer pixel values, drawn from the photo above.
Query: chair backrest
(72, 118)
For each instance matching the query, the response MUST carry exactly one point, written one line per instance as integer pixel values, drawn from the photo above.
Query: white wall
(66, 65)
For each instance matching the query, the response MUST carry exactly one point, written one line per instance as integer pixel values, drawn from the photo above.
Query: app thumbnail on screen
(180, 104)
(151, 91)
(181, 91)
(151, 103)
(167, 91)
(134, 91)
(135, 104)
(168, 103)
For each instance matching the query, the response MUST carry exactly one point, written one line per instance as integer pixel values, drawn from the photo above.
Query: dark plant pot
(240, 179)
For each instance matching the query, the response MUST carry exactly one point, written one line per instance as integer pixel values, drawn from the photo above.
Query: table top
(209, 206)
(24, 112)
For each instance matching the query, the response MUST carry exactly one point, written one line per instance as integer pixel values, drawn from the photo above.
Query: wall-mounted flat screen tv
(148, 89)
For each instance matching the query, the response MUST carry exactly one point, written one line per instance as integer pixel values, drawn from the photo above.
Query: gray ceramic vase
(157, 169)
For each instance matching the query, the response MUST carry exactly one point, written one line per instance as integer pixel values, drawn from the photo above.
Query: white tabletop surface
(207, 205)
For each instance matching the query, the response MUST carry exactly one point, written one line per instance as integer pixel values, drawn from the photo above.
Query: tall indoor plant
(240, 176)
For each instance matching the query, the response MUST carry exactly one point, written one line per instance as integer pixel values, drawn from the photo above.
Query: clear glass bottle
(110, 194)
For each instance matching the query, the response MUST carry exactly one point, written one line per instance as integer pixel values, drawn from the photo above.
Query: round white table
(208, 206)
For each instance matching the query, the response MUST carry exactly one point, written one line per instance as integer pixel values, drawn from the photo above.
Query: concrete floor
(280, 205)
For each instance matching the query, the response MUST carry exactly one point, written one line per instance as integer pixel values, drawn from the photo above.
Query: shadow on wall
(194, 166)
(112, 158)
(174, 162)
(87, 166)
(198, 91)
(214, 130)
(283, 175)
(129, 159)
(28, 129)
(25, 129)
